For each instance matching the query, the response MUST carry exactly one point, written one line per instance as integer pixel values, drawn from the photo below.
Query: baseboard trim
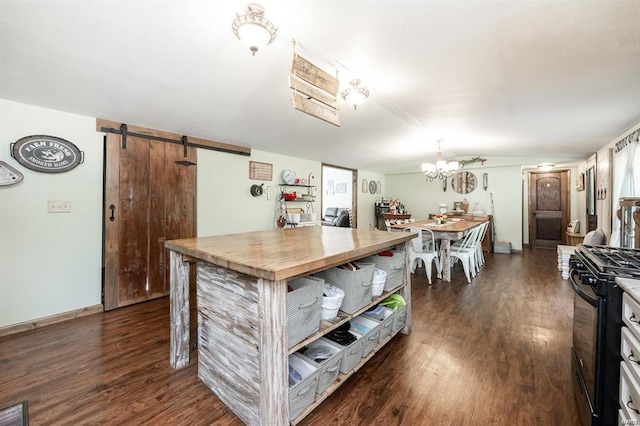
(41, 322)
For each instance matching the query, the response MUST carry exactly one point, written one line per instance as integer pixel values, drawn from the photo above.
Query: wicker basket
(328, 369)
(355, 284)
(370, 331)
(303, 393)
(398, 319)
(303, 308)
(392, 265)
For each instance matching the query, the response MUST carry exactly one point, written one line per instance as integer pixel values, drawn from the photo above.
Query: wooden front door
(150, 197)
(548, 208)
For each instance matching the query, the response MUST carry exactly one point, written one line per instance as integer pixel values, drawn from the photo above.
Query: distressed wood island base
(242, 308)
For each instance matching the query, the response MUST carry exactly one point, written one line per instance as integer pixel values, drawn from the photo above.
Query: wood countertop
(287, 253)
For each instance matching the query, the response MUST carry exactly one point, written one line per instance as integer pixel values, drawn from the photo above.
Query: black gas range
(597, 320)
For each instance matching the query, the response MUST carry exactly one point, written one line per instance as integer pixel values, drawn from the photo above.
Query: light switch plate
(59, 206)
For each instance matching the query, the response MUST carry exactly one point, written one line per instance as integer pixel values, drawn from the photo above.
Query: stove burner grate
(612, 260)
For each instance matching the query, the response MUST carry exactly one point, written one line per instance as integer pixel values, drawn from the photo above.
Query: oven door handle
(583, 294)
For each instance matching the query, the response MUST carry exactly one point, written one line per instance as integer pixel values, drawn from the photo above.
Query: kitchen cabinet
(629, 390)
(573, 238)
(242, 324)
(382, 217)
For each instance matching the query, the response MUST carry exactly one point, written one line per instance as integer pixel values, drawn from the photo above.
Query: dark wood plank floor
(493, 352)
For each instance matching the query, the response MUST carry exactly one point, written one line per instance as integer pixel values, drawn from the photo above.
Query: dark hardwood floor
(496, 351)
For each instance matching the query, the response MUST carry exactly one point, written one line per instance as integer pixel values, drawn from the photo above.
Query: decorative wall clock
(46, 154)
(464, 182)
(288, 177)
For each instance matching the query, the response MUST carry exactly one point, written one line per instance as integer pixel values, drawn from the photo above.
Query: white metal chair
(424, 249)
(478, 260)
(466, 253)
(480, 237)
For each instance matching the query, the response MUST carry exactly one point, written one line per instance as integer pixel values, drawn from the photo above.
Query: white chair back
(468, 241)
(416, 243)
(425, 242)
(483, 231)
(424, 250)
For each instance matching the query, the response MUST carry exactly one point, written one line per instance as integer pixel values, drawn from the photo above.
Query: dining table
(451, 230)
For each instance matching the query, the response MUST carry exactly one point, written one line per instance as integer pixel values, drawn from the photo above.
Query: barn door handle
(112, 208)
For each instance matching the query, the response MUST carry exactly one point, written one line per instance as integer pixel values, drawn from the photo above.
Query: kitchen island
(242, 298)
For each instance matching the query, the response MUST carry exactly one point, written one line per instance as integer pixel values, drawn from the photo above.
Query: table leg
(445, 249)
(179, 311)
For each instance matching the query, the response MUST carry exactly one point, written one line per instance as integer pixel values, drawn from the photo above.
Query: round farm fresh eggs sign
(47, 154)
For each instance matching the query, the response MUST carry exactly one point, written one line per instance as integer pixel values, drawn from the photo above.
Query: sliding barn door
(150, 197)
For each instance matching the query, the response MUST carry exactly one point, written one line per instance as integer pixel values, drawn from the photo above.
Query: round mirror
(464, 182)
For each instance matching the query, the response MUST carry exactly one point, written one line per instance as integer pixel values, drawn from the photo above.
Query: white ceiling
(497, 78)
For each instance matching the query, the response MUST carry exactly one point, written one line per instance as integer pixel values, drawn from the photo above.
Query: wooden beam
(102, 124)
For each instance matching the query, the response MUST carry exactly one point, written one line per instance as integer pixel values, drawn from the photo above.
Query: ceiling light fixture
(442, 169)
(253, 28)
(545, 167)
(356, 94)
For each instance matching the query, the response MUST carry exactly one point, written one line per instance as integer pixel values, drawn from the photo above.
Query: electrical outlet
(59, 206)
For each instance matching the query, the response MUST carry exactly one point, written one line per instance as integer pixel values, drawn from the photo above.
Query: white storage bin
(378, 282)
(392, 265)
(303, 308)
(329, 368)
(303, 393)
(385, 316)
(355, 284)
(370, 331)
(331, 301)
(351, 354)
(398, 319)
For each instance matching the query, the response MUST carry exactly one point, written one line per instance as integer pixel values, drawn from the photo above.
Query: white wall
(225, 204)
(50, 262)
(421, 197)
(366, 200)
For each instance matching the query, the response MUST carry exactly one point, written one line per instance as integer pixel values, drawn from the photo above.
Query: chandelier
(253, 28)
(442, 169)
(356, 94)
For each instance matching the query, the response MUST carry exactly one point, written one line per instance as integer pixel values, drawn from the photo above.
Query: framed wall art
(580, 182)
(260, 171)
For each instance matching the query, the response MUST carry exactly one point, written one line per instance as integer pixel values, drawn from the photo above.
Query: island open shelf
(241, 292)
